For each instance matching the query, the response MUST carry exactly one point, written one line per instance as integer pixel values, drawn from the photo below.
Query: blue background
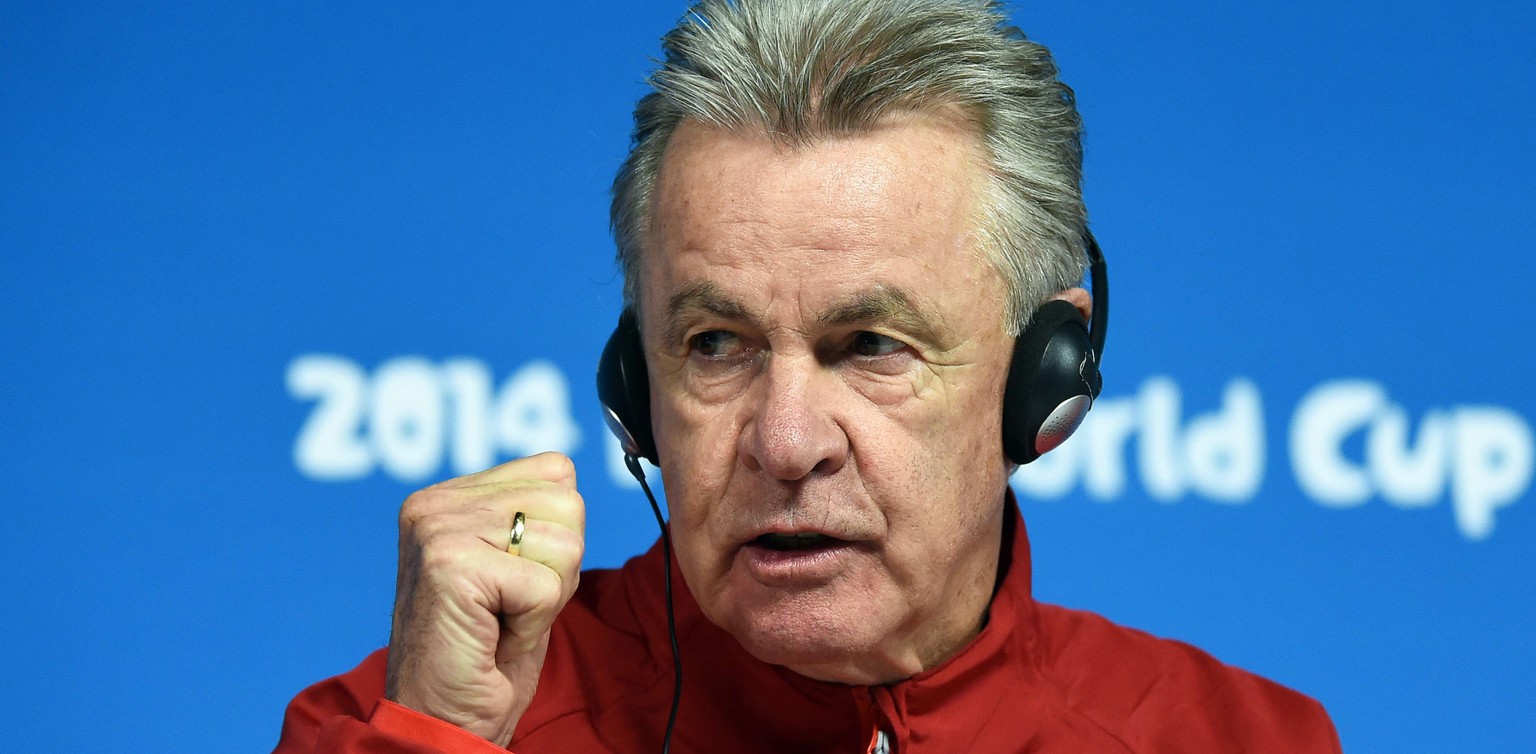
(194, 197)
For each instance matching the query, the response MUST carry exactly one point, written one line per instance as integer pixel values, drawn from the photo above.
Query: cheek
(958, 412)
(951, 463)
(697, 447)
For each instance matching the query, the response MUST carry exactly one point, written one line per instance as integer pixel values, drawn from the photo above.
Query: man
(835, 219)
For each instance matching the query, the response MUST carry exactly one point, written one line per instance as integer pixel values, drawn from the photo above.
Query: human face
(827, 358)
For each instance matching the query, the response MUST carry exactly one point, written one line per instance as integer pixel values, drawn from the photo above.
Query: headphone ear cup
(1052, 382)
(624, 389)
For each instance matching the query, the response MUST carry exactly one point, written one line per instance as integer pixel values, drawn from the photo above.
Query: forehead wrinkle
(886, 303)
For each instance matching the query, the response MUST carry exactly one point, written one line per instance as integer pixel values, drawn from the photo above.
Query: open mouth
(799, 541)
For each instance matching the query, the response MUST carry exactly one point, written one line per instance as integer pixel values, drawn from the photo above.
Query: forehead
(897, 206)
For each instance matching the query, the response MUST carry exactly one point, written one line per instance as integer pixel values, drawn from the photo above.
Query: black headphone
(1052, 380)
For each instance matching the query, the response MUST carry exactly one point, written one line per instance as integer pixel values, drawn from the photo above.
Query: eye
(867, 343)
(715, 343)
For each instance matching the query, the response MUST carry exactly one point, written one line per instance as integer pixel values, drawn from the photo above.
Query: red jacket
(1038, 678)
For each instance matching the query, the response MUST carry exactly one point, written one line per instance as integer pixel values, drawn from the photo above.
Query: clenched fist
(471, 619)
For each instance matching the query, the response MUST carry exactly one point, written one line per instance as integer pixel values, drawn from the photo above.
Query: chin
(826, 639)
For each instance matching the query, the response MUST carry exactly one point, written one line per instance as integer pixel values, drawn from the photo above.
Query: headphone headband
(1099, 286)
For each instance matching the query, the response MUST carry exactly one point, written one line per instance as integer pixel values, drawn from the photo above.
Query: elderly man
(835, 222)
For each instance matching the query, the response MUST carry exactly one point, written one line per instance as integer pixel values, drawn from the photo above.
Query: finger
(488, 509)
(527, 597)
(550, 503)
(551, 544)
(551, 467)
(555, 547)
(492, 530)
(547, 503)
(465, 590)
(509, 652)
(503, 586)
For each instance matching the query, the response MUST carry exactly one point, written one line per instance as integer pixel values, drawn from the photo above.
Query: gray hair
(796, 70)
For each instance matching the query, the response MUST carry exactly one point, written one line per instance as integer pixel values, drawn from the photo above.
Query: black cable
(633, 464)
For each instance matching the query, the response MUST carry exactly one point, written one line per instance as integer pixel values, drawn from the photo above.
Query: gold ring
(515, 542)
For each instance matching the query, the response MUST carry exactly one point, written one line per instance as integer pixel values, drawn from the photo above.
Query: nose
(792, 431)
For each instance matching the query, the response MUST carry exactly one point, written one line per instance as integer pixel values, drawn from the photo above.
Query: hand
(472, 620)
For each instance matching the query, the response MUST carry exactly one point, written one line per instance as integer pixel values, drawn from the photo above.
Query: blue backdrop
(265, 268)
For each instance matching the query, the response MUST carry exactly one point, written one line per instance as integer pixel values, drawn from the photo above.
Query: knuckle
(570, 506)
(560, 464)
(432, 528)
(552, 466)
(578, 511)
(416, 507)
(572, 547)
(560, 547)
(566, 552)
(440, 554)
(548, 598)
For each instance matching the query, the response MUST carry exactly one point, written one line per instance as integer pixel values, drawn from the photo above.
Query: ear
(1079, 299)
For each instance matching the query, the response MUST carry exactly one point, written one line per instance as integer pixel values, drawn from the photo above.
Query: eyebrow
(883, 303)
(886, 303)
(708, 298)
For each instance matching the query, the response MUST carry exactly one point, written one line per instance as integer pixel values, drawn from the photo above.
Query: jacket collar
(720, 677)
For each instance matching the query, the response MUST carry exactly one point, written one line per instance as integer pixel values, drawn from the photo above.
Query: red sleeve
(348, 714)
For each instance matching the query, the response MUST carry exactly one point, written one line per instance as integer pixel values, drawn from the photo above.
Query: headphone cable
(633, 464)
